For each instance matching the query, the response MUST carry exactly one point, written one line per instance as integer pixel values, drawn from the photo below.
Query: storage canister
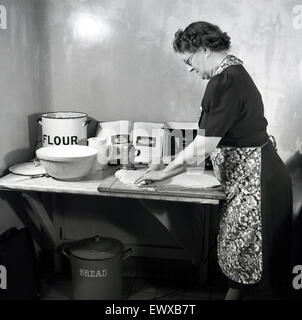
(64, 128)
(96, 265)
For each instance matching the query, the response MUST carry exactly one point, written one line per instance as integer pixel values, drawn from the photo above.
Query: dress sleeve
(221, 105)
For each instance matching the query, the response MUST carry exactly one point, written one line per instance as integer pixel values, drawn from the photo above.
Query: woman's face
(197, 62)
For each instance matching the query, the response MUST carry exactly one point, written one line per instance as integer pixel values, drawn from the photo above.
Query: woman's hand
(151, 176)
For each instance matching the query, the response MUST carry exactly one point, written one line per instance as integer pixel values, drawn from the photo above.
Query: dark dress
(254, 241)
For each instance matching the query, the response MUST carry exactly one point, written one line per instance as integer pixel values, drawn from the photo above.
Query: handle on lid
(126, 254)
(86, 123)
(65, 253)
(97, 238)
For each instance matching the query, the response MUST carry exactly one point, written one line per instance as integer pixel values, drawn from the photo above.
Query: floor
(142, 289)
(150, 279)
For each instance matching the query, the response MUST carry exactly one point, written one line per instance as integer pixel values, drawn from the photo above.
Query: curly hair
(201, 34)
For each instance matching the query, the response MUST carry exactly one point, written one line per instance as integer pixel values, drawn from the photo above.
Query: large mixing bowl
(67, 163)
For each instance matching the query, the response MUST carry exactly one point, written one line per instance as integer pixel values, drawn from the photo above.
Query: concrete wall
(114, 59)
(18, 92)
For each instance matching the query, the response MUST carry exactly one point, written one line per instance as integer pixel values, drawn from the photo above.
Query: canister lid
(64, 115)
(96, 248)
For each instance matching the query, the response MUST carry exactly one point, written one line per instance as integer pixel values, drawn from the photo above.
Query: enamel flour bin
(64, 128)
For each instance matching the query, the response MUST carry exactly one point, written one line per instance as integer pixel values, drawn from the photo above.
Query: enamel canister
(64, 128)
(96, 265)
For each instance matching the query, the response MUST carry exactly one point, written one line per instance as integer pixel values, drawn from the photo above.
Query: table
(105, 184)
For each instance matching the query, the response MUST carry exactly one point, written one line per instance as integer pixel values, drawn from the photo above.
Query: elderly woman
(253, 245)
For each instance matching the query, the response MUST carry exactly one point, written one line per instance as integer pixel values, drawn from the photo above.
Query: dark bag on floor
(17, 255)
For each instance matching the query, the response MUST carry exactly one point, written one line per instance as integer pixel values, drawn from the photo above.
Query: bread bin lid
(96, 248)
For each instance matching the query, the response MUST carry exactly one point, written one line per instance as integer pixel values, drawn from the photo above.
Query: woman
(253, 245)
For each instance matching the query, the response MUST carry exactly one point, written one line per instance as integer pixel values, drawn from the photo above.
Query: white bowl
(67, 163)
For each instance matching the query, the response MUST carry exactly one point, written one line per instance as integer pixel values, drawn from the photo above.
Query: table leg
(201, 231)
(40, 215)
(58, 223)
(23, 210)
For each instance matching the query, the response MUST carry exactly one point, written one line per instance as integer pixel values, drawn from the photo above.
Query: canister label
(65, 140)
(93, 273)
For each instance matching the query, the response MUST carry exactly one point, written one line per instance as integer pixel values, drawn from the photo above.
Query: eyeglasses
(188, 61)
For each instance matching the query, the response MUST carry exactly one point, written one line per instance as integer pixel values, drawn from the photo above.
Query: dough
(193, 178)
(129, 176)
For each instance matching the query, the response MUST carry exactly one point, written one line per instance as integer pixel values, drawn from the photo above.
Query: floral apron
(239, 245)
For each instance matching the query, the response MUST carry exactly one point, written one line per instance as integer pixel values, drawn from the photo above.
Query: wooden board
(169, 190)
(214, 193)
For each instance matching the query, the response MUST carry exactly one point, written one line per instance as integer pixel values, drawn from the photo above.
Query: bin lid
(96, 248)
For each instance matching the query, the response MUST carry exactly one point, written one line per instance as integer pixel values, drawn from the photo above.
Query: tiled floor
(149, 281)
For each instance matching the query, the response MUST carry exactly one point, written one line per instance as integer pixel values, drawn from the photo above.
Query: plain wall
(18, 92)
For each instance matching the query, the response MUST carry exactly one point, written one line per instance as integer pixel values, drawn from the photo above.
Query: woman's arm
(193, 154)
